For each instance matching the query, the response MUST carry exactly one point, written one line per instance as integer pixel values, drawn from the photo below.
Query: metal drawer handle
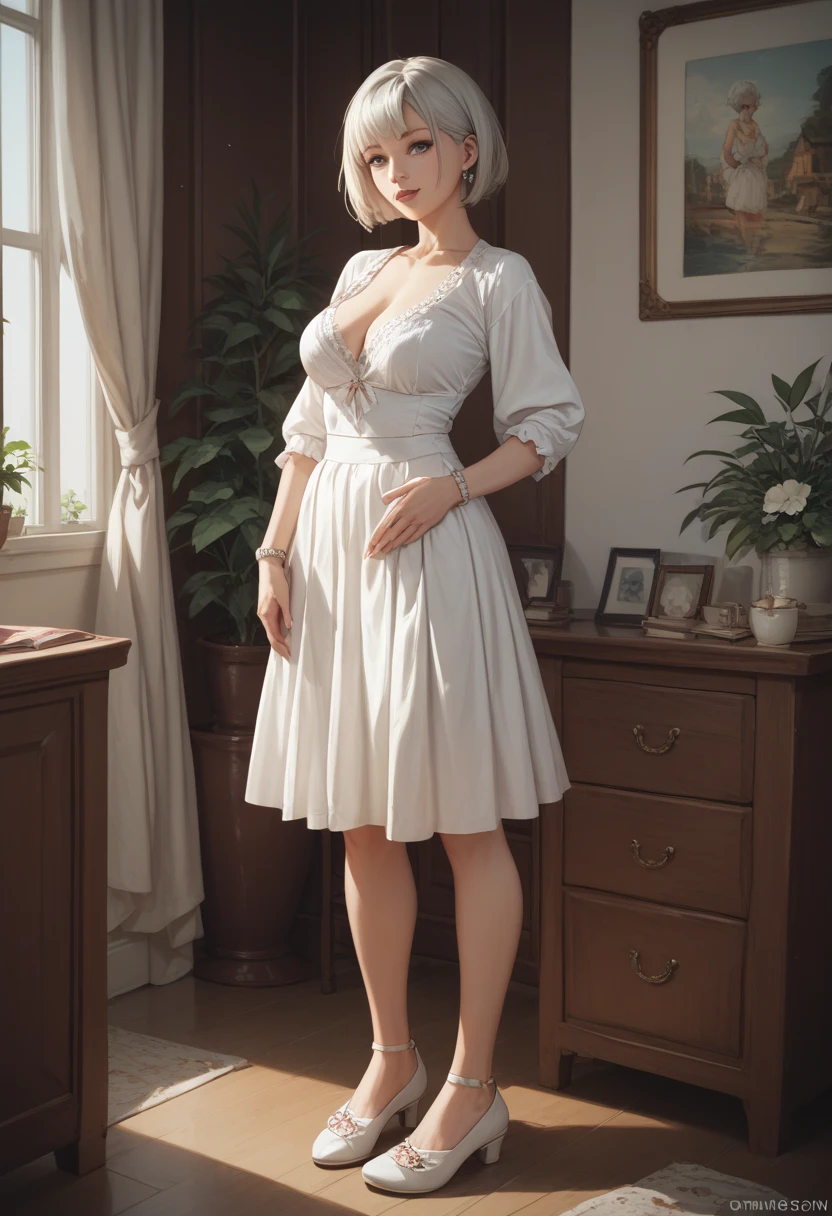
(652, 979)
(652, 865)
(638, 731)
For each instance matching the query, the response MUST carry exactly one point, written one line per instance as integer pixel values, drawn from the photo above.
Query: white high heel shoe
(408, 1170)
(347, 1138)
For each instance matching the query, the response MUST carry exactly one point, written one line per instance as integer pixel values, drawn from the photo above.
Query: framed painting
(736, 159)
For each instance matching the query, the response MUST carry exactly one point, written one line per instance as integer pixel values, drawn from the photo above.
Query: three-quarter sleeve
(303, 428)
(535, 397)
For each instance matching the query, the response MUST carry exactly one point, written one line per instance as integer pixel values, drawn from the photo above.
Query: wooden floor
(240, 1144)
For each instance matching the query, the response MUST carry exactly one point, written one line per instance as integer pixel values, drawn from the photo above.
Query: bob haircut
(740, 89)
(446, 99)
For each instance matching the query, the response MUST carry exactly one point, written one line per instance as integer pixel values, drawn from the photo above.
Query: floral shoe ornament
(347, 1138)
(405, 1154)
(406, 1169)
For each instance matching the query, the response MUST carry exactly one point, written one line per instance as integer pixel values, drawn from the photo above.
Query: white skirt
(747, 187)
(413, 697)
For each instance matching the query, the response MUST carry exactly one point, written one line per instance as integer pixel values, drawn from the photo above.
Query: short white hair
(446, 99)
(740, 89)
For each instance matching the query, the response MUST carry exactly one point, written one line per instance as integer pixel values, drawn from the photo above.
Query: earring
(468, 175)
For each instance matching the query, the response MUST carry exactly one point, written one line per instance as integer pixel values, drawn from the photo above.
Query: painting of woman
(744, 159)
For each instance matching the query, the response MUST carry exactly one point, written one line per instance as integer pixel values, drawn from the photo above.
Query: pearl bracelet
(463, 488)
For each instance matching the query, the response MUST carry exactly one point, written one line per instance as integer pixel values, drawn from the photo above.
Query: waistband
(383, 449)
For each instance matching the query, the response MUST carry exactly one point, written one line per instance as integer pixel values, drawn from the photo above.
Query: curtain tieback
(139, 444)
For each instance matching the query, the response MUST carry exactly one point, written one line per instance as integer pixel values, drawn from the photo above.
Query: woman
(402, 695)
(744, 159)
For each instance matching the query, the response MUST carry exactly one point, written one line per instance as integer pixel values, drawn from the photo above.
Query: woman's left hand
(418, 504)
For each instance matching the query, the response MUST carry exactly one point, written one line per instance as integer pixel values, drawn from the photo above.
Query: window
(50, 391)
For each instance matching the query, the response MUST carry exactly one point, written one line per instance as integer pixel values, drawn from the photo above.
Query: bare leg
(381, 904)
(489, 915)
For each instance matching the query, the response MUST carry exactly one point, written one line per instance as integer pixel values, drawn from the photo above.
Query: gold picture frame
(652, 305)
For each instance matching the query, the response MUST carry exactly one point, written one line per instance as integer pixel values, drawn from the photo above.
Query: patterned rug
(683, 1188)
(145, 1071)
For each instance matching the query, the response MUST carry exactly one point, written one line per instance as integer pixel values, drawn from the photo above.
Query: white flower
(790, 498)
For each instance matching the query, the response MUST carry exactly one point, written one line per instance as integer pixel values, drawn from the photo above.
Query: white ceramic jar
(773, 626)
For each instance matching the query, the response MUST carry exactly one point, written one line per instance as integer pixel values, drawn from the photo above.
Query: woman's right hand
(273, 604)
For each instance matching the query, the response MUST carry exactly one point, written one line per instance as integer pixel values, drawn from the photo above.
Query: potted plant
(247, 340)
(71, 507)
(16, 460)
(775, 489)
(17, 521)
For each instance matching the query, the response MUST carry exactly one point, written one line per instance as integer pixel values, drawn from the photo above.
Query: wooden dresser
(53, 902)
(686, 902)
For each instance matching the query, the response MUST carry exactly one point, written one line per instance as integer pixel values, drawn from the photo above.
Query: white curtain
(107, 87)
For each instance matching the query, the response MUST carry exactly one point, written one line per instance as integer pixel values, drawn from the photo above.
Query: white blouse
(419, 366)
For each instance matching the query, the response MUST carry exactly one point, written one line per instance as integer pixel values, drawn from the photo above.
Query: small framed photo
(682, 590)
(628, 587)
(537, 571)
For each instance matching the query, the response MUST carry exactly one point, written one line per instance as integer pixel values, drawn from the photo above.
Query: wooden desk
(53, 902)
(686, 906)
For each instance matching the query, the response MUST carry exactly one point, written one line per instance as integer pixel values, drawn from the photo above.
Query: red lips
(406, 194)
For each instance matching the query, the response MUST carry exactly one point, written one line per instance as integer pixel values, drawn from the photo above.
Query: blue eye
(419, 143)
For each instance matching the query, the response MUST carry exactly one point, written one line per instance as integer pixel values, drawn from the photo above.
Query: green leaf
(707, 452)
(736, 537)
(211, 491)
(689, 518)
(744, 416)
(200, 578)
(240, 332)
(279, 319)
(801, 384)
(748, 404)
(783, 390)
(273, 400)
(199, 454)
(206, 595)
(226, 413)
(696, 485)
(257, 439)
(788, 531)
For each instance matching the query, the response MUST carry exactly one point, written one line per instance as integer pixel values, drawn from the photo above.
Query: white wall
(647, 385)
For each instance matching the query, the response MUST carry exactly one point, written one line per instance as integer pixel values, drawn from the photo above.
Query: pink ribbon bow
(355, 390)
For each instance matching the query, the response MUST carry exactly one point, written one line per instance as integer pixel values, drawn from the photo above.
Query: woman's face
(750, 103)
(405, 171)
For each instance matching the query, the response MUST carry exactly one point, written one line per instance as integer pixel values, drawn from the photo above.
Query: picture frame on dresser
(629, 586)
(734, 159)
(537, 571)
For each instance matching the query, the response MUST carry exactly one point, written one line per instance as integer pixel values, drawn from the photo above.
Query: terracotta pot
(5, 516)
(235, 676)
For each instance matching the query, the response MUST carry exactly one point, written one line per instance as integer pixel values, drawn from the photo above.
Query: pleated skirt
(413, 698)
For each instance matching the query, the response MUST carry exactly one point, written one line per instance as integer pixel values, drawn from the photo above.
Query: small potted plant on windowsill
(17, 521)
(16, 460)
(779, 503)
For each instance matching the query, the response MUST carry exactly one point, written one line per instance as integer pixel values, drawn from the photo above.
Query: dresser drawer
(696, 1004)
(670, 850)
(711, 756)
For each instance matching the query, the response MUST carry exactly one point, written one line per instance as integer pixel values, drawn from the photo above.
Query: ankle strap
(395, 1047)
(473, 1081)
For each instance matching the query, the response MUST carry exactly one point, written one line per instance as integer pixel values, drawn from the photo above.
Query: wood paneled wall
(257, 91)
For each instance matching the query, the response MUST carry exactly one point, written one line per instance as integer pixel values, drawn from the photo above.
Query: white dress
(747, 183)
(413, 697)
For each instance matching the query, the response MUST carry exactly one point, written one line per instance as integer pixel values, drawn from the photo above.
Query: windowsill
(51, 551)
